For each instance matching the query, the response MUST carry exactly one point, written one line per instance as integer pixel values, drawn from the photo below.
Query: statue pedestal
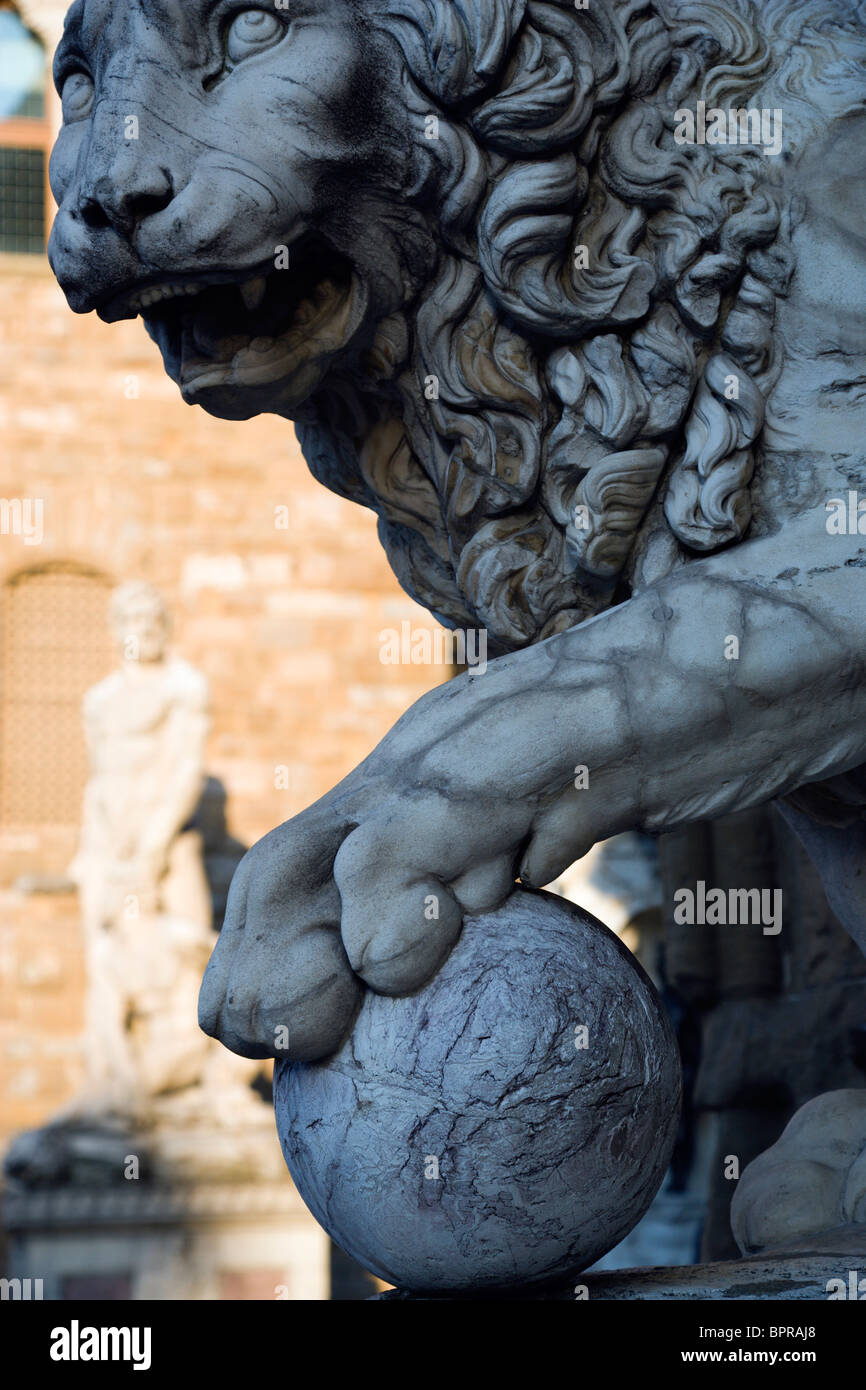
(807, 1270)
(251, 1240)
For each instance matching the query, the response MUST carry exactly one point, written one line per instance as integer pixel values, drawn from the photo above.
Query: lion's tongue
(223, 324)
(318, 327)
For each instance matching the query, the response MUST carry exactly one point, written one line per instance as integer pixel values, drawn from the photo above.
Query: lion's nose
(125, 195)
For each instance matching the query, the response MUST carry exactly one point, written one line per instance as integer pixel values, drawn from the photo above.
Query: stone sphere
(503, 1126)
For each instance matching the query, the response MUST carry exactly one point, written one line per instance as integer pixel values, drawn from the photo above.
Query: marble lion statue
(571, 295)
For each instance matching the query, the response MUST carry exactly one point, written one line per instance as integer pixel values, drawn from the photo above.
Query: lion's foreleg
(733, 681)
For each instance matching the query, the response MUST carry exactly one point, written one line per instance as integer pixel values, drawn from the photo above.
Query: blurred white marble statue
(155, 1084)
(144, 896)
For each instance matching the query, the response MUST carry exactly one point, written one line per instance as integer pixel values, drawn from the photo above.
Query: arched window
(25, 136)
(54, 645)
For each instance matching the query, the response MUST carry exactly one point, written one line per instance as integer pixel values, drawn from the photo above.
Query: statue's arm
(94, 834)
(183, 757)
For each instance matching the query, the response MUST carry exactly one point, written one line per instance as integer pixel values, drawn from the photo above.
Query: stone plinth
(808, 1270)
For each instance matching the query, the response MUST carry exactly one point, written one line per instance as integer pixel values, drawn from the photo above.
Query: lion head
(458, 243)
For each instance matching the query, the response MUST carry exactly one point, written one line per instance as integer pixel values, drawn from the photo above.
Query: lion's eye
(251, 32)
(77, 96)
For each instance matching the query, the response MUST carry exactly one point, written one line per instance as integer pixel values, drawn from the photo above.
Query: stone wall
(279, 591)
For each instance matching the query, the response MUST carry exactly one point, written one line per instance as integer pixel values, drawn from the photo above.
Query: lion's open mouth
(240, 346)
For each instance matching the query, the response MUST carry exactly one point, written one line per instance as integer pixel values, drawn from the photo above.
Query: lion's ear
(456, 47)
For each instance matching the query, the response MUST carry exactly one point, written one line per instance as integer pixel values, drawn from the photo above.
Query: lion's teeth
(253, 292)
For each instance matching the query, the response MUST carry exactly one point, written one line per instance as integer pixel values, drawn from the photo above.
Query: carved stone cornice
(139, 1205)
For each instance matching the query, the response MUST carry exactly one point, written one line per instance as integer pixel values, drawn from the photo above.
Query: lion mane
(547, 428)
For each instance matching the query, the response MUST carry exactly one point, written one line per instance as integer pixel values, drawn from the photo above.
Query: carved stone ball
(503, 1126)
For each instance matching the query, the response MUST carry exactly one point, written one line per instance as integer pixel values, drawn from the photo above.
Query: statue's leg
(184, 890)
(107, 1061)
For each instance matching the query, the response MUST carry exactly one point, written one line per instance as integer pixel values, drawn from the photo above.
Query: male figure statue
(144, 896)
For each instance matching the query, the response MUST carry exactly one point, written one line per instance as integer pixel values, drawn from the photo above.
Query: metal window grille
(25, 138)
(54, 645)
(22, 200)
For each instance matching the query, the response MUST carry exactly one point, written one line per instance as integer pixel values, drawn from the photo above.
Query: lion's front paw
(374, 894)
(406, 877)
(279, 983)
